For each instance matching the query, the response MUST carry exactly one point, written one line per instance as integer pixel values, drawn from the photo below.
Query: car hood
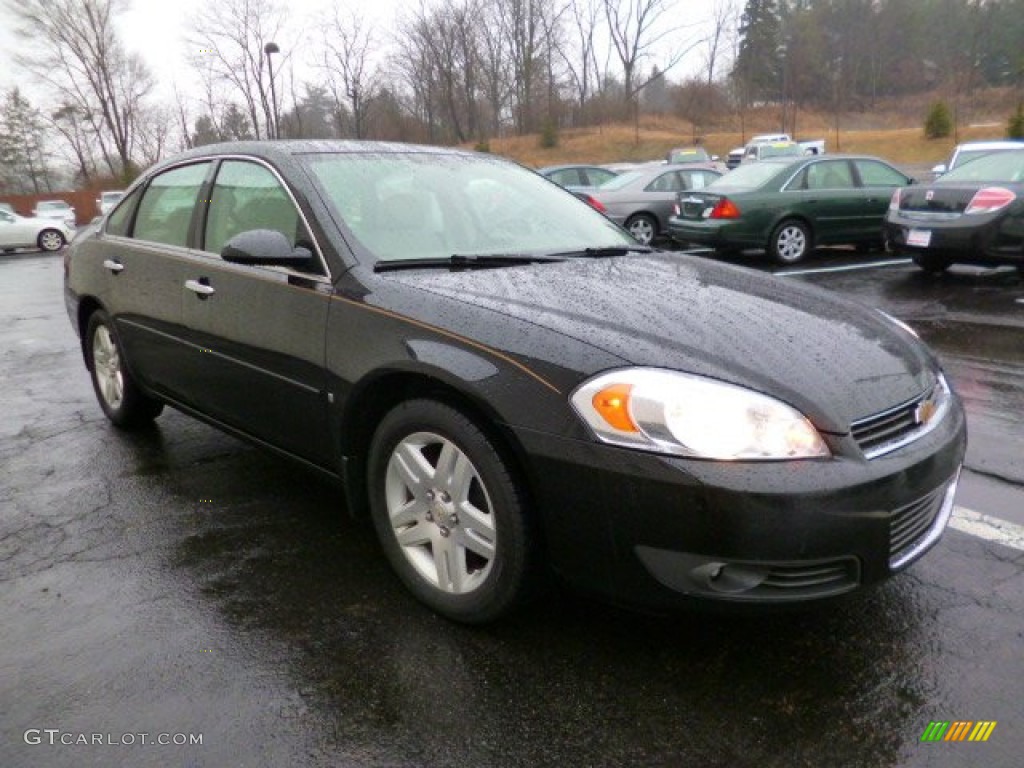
(835, 360)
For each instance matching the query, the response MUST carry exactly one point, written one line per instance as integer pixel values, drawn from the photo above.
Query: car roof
(1004, 144)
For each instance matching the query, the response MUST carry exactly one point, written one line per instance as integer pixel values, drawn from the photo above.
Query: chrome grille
(891, 429)
(915, 527)
(819, 578)
(909, 523)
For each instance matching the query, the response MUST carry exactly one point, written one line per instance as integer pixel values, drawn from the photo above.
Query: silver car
(24, 232)
(641, 200)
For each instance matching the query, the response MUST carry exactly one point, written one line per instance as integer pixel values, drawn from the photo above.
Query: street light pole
(268, 49)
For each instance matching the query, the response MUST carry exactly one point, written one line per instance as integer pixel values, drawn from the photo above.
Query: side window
(120, 219)
(566, 177)
(829, 175)
(597, 177)
(874, 174)
(667, 182)
(165, 210)
(248, 196)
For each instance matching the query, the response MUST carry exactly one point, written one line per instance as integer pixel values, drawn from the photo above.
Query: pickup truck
(772, 144)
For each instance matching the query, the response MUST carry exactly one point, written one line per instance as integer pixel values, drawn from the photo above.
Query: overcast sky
(156, 29)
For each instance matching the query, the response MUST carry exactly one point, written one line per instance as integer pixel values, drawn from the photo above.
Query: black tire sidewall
(652, 223)
(510, 576)
(39, 240)
(136, 409)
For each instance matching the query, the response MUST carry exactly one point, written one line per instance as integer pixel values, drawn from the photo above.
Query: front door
(258, 332)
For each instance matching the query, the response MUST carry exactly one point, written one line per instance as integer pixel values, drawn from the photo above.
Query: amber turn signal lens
(612, 403)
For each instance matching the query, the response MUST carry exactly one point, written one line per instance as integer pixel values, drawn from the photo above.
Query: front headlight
(687, 415)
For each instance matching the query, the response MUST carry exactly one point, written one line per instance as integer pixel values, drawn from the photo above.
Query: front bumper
(655, 531)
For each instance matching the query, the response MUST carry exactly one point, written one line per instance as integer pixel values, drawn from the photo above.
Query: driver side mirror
(266, 247)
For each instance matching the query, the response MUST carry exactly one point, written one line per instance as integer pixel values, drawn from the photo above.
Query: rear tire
(643, 228)
(932, 263)
(449, 513)
(790, 242)
(50, 240)
(119, 395)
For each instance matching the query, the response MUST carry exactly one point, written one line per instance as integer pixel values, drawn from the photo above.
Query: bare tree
(230, 39)
(76, 50)
(351, 75)
(636, 28)
(585, 19)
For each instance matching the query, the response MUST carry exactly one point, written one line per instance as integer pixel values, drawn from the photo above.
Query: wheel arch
(378, 394)
(87, 305)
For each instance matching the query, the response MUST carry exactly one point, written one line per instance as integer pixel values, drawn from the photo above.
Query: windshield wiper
(605, 251)
(466, 261)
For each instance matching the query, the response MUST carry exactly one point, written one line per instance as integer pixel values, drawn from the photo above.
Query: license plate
(920, 238)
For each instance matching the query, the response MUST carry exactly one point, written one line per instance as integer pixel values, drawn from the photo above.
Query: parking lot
(178, 583)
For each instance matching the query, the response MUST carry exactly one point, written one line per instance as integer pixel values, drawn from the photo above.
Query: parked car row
(788, 203)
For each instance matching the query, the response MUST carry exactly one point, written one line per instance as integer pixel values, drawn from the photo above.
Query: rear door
(258, 332)
(831, 200)
(877, 181)
(144, 247)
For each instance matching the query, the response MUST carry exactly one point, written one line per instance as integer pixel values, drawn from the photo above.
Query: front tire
(50, 240)
(449, 512)
(790, 242)
(643, 228)
(119, 395)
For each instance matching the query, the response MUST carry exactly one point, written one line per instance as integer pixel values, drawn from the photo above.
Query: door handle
(201, 287)
(113, 266)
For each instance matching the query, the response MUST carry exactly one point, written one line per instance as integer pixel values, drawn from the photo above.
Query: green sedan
(789, 206)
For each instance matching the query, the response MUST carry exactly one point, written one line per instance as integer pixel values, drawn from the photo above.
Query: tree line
(465, 71)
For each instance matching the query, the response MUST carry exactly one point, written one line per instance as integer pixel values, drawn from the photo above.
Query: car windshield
(622, 180)
(421, 205)
(747, 176)
(1005, 166)
(779, 150)
(694, 155)
(46, 205)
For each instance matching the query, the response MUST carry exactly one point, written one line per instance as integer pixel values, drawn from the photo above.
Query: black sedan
(510, 385)
(972, 215)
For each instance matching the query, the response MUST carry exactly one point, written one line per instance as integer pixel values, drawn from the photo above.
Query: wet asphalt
(179, 583)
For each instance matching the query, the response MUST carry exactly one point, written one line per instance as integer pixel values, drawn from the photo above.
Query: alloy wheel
(440, 513)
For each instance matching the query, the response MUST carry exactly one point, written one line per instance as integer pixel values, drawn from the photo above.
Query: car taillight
(595, 203)
(894, 201)
(725, 209)
(990, 200)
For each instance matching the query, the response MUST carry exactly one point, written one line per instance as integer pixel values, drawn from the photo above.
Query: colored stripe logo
(958, 730)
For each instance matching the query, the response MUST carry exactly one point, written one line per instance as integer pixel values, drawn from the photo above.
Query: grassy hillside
(622, 142)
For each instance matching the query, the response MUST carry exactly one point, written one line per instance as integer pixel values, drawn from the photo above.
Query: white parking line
(847, 268)
(987, 527)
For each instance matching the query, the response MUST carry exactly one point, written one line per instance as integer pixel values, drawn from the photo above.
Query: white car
(55, 210)
(107, 200)
(33, 232)
(970, 150)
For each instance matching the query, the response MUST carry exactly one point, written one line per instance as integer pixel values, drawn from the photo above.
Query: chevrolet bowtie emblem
(925, 411)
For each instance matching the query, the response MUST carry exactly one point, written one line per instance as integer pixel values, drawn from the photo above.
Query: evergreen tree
(757, 71)
(22, 155)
